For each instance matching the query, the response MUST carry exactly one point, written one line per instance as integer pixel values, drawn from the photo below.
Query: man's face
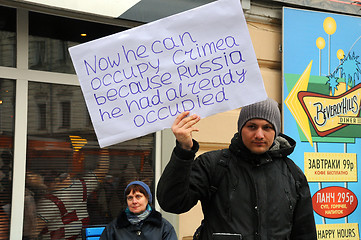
(258, 135)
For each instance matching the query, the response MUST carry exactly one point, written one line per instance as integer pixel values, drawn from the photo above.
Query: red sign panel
(334, 202)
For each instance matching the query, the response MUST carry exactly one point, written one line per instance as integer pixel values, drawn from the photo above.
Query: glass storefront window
(70, 181)
(7, 37)
(51, 36)
(7, 110)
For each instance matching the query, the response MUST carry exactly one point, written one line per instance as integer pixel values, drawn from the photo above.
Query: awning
(108, 8)
(134, 10)
(151, 10)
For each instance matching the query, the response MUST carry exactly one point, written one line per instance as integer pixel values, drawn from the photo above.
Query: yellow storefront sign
(330, 167)
(345, 231)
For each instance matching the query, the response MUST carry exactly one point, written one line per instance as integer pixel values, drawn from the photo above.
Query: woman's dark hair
(136, 188)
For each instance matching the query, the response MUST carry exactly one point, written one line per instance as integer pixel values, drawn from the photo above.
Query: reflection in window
(42, 116)
(7, 37)
(51, 37)
(65, 107)
(7, 110)
(67, 161)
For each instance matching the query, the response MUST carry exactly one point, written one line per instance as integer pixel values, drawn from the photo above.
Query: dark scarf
(137, 218)
(154, 218)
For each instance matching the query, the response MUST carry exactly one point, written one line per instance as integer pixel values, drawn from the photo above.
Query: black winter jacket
(154, 227)
(257, 197)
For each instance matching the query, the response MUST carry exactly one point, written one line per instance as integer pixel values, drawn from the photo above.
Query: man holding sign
(250, 189)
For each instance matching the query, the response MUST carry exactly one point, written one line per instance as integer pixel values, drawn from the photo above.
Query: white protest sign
(137, 81)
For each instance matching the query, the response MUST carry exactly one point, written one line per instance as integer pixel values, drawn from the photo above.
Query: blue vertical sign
(321, 107)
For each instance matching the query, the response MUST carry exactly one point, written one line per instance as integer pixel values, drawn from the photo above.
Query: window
(7, 110)
(7, 37)
(67, 157)
(70, 180)
(51, 36)
(62, 152)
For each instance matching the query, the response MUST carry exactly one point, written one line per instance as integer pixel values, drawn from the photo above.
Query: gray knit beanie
(267, 110)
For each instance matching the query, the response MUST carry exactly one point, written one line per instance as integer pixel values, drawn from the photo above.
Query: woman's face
(137, 202)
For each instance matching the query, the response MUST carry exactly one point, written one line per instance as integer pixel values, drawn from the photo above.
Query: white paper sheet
(137, 81)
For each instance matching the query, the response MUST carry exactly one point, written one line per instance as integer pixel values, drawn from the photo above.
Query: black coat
(154, 227)
(257, 196)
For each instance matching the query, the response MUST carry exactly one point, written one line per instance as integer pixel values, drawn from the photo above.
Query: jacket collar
(154, 218)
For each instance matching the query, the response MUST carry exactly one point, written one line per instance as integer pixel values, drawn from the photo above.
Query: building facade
(46, 135)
